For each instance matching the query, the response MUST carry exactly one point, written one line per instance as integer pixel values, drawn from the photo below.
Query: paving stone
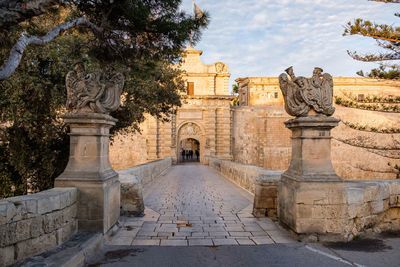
(218, 234)
(164, 234)
(280, 237)
(200, 242)
(171, 242)
(220, 242)
(146, 242)
(253, 228)
(262, 240)
(234, 229)
(194, 203)
(201, 234)
(239, 234)
(259, 233)
(245, 242)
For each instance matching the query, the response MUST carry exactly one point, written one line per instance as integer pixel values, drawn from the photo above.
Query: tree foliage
(386, 36)
(140, 38)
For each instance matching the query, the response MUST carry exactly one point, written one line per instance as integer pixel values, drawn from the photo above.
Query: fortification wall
(127, 150)
(261, 139)
(32, 224)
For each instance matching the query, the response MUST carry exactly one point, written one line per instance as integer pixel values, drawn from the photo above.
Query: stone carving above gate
(190, 129)
(303, 94)
(93, 92)
(221, 67)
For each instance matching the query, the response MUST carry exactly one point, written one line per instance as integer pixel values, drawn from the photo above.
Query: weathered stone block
(394, 188)
(36, 227)
(6, 256)
(311, 196)
(328, 211)
(372, 193)
(352, 210)
(377, 206)
(393, 200)
(35, 246)
(8, 234)
(23, 230)
(131, 196)
(335, 226)
(3, 211)
(354, 195)
(364, 210)
(304, 211)
(306, 226)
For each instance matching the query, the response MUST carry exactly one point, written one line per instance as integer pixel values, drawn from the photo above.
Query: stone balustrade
(261, 182)
(132, 182)
(32, 224)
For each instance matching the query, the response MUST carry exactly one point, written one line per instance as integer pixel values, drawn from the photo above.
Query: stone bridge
(218, 203)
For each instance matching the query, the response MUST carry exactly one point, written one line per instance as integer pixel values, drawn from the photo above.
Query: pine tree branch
(373, 30)
(8, 68)
(371, 58)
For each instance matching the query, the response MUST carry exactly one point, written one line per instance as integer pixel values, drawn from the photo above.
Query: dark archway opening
(190, 150)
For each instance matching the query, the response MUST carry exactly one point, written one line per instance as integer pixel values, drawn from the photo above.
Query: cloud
(264, 37)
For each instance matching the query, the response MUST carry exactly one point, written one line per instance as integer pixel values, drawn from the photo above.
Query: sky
(264, 37)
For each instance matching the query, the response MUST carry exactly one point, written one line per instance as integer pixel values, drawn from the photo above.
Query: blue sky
(264, 37)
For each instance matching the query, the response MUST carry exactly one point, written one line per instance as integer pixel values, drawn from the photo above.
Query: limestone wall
(32, 224)
(364, 155)
(261, 182)
(261, 139)
(264, 91)
(127, 150)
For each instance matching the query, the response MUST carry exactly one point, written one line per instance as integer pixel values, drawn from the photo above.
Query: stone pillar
(311, 148)
(310, 189)
(90, 171)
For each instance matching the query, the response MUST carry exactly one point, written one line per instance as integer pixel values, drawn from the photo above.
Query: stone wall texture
(32, 224)
(329, 211)
(260, 182)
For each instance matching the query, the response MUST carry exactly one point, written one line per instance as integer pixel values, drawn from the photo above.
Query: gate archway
(190, 131)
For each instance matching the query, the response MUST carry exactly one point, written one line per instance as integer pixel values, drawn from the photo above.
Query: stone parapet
(132, 182)
(32, 224)
(339, 211)
(261, 182)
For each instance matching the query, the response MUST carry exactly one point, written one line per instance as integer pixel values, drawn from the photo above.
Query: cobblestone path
(193, 205)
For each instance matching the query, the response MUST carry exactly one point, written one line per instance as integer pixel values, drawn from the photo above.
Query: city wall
(261, 139)
(32, 224)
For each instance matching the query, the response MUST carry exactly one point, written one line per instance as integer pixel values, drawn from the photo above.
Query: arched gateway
(190, 137)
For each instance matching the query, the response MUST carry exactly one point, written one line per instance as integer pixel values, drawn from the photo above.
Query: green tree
(386, 36)
(235, 92)
(140, 38)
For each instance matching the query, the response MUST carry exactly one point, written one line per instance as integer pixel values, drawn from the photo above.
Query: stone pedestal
(310, 188)
(89, 170)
